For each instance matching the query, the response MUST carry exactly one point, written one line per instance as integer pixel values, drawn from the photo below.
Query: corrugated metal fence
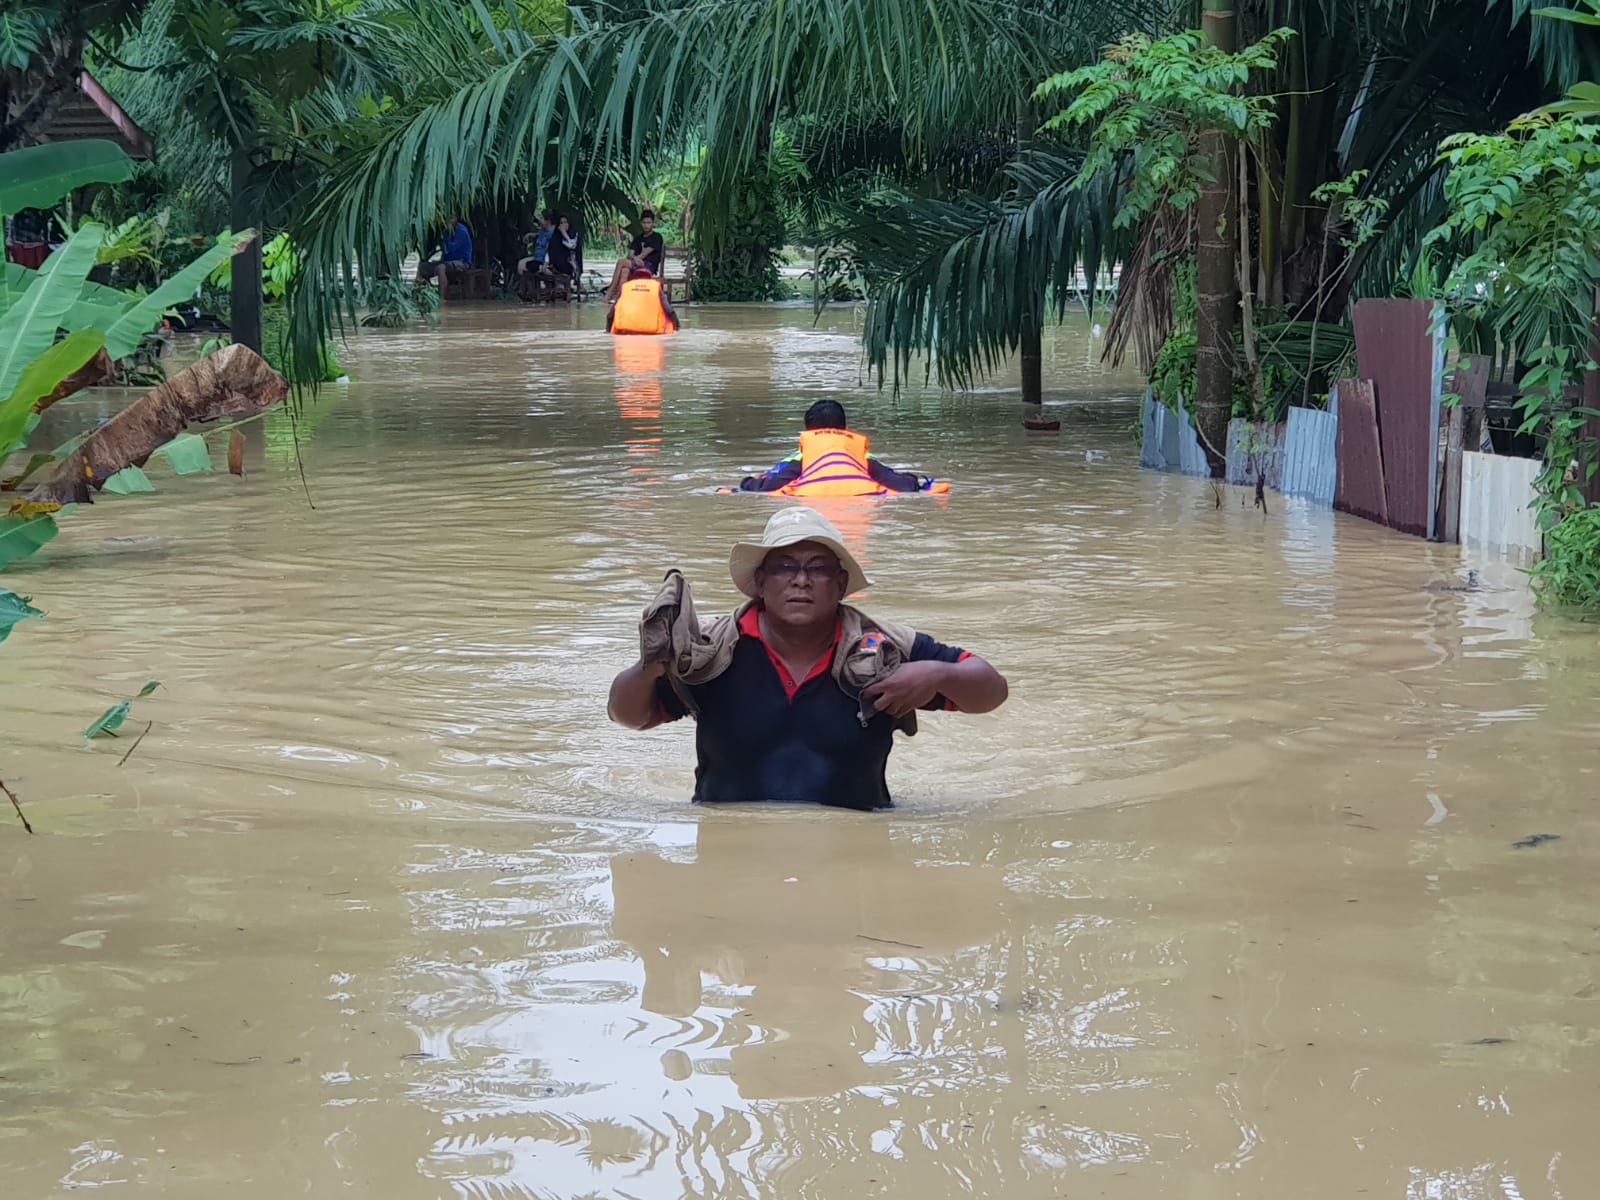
(1495, 494)
(1375, 454)
(1170, 442)
(1310, 469)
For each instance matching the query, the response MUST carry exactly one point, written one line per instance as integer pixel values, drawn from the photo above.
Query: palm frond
(958, 283)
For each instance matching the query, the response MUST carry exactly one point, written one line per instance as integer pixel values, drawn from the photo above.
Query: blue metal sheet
(1191, 459)
(1310, 467)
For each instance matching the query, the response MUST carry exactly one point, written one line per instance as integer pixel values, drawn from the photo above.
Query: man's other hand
(912, 685)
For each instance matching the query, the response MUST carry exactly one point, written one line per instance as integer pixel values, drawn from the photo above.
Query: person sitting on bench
(645, 253)
(455, 253)
(563, 259)
(529, 269)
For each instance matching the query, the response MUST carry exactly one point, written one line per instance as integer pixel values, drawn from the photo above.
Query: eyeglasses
(788, 572)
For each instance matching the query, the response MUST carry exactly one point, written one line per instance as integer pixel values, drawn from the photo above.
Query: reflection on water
(1224, 903)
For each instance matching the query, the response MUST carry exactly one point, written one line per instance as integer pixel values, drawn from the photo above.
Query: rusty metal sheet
(1399, 348)
(1360, 489)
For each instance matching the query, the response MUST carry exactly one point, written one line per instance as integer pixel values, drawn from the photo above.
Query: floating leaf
(23, 536)
(111, 720)
(14, 608)
(236, 452)
(187, 453)
(129, 479)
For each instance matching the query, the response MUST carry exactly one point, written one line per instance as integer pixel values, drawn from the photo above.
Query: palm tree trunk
(1032, 363)
(1216, 277)
(246, 320)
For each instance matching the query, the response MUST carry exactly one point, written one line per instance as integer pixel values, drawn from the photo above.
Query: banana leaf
(14, 608)
(24, 536)
(41, 377)
(38, 176)
(28, 327)
(140, 317)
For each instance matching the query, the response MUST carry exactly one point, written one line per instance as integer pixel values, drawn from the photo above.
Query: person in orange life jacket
(829, 414)
(667, 310)
(775, 723)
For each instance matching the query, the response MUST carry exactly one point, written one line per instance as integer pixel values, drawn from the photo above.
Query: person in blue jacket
(455, 250)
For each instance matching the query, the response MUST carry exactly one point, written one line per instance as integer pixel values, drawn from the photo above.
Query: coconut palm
(1372, 91)
(532, 108)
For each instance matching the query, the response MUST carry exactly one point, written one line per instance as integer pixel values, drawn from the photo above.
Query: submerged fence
(1386, 450)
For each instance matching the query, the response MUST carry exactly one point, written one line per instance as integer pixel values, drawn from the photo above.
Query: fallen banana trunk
(234, 382)
(97, 371)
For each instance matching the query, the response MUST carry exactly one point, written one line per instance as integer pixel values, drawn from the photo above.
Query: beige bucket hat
(790, 527)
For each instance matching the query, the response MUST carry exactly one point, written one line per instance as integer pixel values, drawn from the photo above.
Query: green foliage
(108, 722)
(1531, 198)
(1569, 574)
(959, 281)
(1155, 101)
(737, 241)
(634, 82)
(36, 306)
(14, 608)
(1288, 359)
(275, 338)
(389, 303)
(23, 28)
(1358, 212)
(1172, 373)
(39, 378)
(134, 244)
(38, 176)
(187, 454)
(278, 259)
(29, 322)
(24, 534)
(127, 481)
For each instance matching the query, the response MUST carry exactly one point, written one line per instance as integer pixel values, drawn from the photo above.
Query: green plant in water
(37, 306)
(393, 302)
(108, 722)
(1569, 573)
(1530, 199)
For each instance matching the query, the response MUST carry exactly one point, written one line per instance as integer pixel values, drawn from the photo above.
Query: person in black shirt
(775, 725)
(645, 253)
(563, 256)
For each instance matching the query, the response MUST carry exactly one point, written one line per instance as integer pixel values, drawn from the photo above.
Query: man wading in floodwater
(797, 695)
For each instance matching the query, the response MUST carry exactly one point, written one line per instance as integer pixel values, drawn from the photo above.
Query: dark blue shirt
(458, 244)
(762, 737)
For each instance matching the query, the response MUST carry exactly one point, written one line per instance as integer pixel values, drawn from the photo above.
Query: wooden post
(1471, 382)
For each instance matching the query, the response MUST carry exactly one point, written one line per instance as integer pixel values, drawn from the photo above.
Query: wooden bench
(471, 283)
(677, 279)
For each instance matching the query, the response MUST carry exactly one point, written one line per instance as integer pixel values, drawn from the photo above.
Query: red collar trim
(750, 626)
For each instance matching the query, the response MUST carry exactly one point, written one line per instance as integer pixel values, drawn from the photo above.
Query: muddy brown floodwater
(1224, 903)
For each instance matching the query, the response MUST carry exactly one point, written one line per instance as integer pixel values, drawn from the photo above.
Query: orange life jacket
(833, 462)
(638, 308)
